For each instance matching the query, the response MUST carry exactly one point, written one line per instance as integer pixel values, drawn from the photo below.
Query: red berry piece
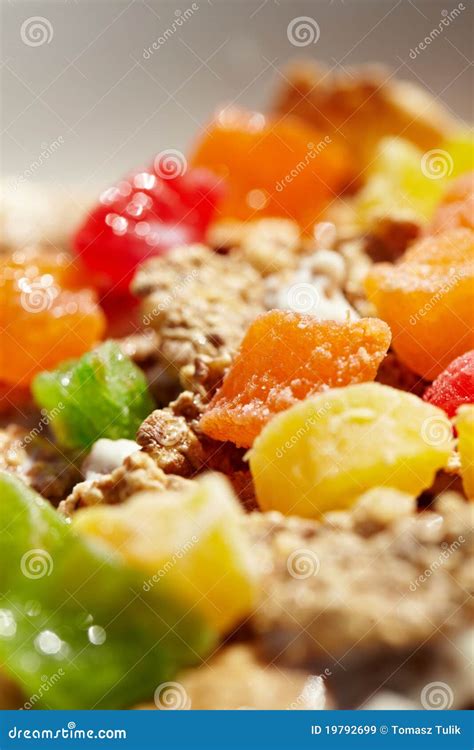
(454, 386)
(146, 214)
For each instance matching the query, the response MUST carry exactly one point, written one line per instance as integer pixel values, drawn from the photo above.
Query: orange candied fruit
(272, 167)
(284, 358)
(428, 300)
(457, 206)
(46, 316)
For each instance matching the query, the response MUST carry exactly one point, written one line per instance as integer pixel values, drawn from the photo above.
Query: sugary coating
(454, 386)
(456, 208)
(146, 214)
(101, 395)
(190, 543)
(428, 301)
(465, 428)
(285, 357)
(275, 168)
(325, 452)
(46, 314)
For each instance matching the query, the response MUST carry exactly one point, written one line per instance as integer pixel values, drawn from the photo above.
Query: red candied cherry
(454, 386)
(147, 213)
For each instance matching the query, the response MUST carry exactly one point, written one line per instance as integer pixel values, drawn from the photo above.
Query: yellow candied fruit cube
(190, 543)
(323, 453)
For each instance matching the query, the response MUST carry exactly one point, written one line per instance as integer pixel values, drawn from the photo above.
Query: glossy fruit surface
(101, 395)
(46, 314)
(143, 215)
(325, 452)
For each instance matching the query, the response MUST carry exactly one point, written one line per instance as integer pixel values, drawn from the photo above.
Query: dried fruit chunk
(428, 299)
(284, 358)
(190, 542)
(362, 105)
(456, 208)
(325, 452)
(274, 168)
(143, 215)
(41, 291)
(104, 627)
(103, 394)
(455, 385)
(465, 427)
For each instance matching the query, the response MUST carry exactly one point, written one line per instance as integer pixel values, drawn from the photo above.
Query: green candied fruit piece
(78, 627)
(101, 395)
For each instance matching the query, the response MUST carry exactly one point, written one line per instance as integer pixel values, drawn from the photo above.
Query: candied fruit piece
(145, 214)
(325, 452)
(456, 208)
(285, 357)
(45, 315)
(454, 386)
(274, 168)
(190, 543)
(465, 428)
(101, 395)
(428, 301)
(397, 185)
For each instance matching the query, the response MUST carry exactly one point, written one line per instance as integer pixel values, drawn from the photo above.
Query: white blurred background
(84, 81)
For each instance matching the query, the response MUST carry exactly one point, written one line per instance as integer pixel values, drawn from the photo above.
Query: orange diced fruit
(45, 317)
(457, 206)
(272, 168)
(285, 357)
(428, 301)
